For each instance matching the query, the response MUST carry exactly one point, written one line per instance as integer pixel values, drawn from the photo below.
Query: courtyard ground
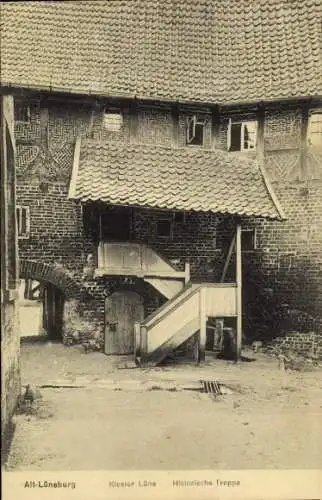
(93, 415)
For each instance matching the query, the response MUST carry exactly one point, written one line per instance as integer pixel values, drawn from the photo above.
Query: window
(164, 228)
(248, 240)
(23, 222)
(314, 133)
(195, 131)
(116, 224)
(179, 217)
(22, 112)
(241, 135)
(112, 120)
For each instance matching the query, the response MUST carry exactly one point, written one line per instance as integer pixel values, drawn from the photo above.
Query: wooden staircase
(161, 333)
(139, 260)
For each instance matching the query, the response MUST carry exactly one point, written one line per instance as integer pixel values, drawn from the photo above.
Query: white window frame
(112, 113)
(19, 212)
(194, 122)
(242, 134)
(309, 133)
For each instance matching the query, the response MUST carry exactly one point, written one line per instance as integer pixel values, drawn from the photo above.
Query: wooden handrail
(158, 315)
(160, 311)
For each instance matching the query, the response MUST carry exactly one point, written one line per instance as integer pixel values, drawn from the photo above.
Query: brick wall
(57, 236)
(284, 269)
(307, 344)
(283, 276)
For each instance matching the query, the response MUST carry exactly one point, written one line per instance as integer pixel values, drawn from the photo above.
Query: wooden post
(133, 112)
(304, 127)
(144, 341)
(215, 127)
(175, 124)
(260, 146)
(137, 339)
(230, 251)
(186, 273)
(45, 309)
(203, 324)
(239, 292)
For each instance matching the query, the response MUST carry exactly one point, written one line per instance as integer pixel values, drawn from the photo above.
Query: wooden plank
(134, 120)
(221, 302)
(72, 184)
(215, 126)
(137, 339)
(175, 124)
(187, 272)
(260, 146)
(155, 357)
(229, 254)
(144, 341)
(239, 292)
(130, 271)
(168, 288)
(203, 324)
(304, 128)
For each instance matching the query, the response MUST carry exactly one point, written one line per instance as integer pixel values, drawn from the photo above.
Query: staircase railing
(196, 301)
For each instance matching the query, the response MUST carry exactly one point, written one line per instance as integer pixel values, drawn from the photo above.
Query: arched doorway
(53, 283)
(41, 307)
(122, 310)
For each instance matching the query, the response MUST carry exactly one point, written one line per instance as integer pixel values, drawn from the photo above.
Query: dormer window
(314, 133)
(195, 131)
(241, 135)
(112, 120)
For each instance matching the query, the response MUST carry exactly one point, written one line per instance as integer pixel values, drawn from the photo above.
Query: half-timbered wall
(287, 260)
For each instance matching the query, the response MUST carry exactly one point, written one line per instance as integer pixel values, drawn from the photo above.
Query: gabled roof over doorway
(176, 179)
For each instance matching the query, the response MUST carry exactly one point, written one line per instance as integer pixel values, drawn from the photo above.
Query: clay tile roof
(182, 179)
(216, 51)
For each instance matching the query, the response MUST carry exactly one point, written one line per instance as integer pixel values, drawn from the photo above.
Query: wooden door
(122, 310)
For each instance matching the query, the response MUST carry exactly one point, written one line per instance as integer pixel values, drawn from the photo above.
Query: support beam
(187, 272)
(203, 325)
(144, 341)
(28, 288)
(229, 254)
(239, 292)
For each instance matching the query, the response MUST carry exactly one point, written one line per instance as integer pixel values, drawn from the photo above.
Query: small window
(248, 240)
(241, 136)
(195, 131)
(23, 222)
(314, 135)
(164, 228)
(22, 112)
(179, 217)
(112, 120)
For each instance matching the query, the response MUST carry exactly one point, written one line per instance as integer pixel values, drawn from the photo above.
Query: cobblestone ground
(94, 415)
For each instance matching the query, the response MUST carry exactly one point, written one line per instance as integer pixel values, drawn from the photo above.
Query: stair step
(167, 348)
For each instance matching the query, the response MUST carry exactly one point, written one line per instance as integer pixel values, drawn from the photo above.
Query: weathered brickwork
(285, 268)
(191, 240)
(10, 369)
(308, 344)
